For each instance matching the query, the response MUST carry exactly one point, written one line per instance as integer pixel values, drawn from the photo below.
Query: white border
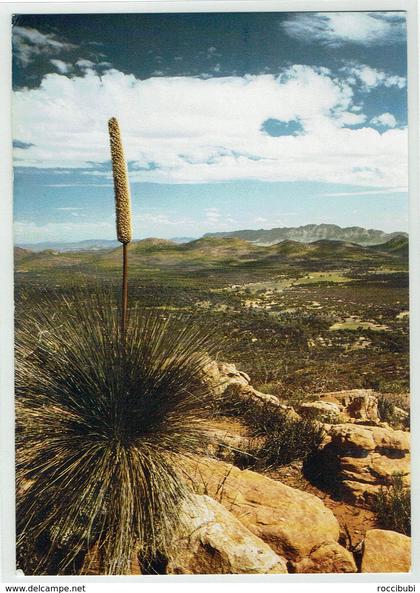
(7, 496)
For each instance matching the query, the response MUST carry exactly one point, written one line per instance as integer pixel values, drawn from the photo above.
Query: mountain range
(311, 233)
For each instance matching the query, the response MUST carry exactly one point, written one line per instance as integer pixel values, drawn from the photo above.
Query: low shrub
(391, 410)
(393, 506)
(284, 439)
(386, 409)
(277, 438)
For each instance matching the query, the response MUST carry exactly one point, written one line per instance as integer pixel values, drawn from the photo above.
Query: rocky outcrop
(362, 459)
(221, 374)
(237, 391)
(386, 551)
(358, 404)
(213, 541)
(225, 379)
(294, 523)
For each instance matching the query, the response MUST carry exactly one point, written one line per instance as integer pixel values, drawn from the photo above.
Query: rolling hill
(396, 245)
(222, 254)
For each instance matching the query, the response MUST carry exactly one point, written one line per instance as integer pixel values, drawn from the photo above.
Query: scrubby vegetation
(394, 410)
(101, 425)
(285, 440)
(277, 438)
(304, 322)
(393, 506)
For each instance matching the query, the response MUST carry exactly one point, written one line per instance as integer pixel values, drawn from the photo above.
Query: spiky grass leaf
(101, 425)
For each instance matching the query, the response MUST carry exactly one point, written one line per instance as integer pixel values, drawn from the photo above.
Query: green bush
(393, 506)
(277, 438)
(388, 411)
(285, 439)
(101, 426)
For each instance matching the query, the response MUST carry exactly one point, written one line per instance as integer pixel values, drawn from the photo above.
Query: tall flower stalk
(122, 208)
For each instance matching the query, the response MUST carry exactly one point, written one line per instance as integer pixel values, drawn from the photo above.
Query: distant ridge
(87, 245)
(263, 237)
(311, 233)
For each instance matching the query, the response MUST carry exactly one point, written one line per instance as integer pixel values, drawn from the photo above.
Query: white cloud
(29, 43)
(85, 64)
(352, 119)
(61, 66)
(371, 78)
(191, 130)
(337, 28)
(156, 220)
(386, 120)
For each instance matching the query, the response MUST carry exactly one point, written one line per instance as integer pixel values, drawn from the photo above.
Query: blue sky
(230, 121)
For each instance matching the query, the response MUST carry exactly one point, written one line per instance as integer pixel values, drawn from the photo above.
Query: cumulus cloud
(370, 78)
(192, 130)
(29, 43)
(334, 29)
(387, 120)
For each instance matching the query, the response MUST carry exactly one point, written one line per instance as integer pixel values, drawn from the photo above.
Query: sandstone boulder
(213, 541)
(362, 459)
(360, 404)
(324, 411)
(291, 521)
(238, 391)
(327, 558)
(225, 379)
(358, 439)
(221, 374)
(386, 551)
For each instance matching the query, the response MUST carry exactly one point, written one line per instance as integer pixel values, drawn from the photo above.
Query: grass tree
(103, 423)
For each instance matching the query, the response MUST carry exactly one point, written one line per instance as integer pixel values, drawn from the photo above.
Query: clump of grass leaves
(102, 424)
